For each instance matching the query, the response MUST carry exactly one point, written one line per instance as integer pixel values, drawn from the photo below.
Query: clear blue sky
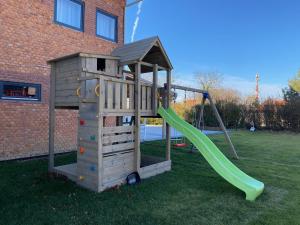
(235, 37)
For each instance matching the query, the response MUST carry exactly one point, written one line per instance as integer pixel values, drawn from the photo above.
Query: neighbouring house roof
(148, 50)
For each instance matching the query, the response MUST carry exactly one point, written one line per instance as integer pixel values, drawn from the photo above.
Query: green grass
(192, 193)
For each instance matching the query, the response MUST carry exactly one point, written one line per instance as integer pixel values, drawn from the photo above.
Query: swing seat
(180, 145)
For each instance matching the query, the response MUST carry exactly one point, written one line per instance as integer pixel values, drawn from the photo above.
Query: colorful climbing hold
(81, 177)
(82, 122)
(81, 150)
(93, 168)
(93, 138)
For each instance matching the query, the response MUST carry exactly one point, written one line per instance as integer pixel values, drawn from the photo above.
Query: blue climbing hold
(93, 168)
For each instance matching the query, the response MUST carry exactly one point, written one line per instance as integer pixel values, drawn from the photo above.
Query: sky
(237, 38)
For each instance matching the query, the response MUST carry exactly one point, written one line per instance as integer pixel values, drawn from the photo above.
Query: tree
(226, 94)
(295, 83)
(272, 110)
(252, 112)
(208, 80)
(289, 94)
(291, 111)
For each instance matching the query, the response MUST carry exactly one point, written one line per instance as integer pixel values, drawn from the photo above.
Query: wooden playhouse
(99, 87)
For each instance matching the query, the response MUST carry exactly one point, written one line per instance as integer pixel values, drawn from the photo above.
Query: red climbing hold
(82, 122)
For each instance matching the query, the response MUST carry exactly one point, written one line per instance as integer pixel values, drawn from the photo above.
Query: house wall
(29, 38)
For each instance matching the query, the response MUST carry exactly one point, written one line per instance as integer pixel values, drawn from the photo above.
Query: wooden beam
(162, 68)
(147, 64)
(131, 62)
(215, 110)
(99, 73)
(168, 127)
(51, 118)
(120, 71)
(163, 133)
(127, 71)
(152, 66)
(137, 114)
(188, 89)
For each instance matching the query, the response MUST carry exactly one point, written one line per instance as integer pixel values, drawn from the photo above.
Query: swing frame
(207, 96)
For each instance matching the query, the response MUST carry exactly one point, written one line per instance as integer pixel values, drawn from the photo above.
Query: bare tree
(226, 95)
(208, 80)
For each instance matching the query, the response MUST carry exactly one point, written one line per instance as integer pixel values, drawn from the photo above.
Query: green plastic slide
(214, 156)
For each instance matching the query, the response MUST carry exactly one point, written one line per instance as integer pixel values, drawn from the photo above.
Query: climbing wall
(88, 160)
(105, 155)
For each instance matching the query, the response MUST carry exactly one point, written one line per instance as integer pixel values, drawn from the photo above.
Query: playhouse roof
(148, 50)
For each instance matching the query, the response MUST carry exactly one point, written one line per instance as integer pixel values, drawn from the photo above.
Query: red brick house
(33, 32)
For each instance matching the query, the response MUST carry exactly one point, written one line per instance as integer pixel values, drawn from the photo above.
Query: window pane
(69, 12)
(106, 26)
(20, 91)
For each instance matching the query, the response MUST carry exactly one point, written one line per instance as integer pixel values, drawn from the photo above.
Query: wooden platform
(70, 171)
(150, 166)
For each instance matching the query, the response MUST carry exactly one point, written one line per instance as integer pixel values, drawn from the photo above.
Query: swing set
(198, 117)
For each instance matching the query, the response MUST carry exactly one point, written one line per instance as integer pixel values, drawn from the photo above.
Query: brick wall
(28, 38)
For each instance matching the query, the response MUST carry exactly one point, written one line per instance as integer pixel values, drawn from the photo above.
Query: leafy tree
(291, 110)
(289, 94)
(295, 83)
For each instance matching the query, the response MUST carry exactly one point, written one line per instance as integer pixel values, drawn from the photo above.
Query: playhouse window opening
(100, 64)
(20, 91)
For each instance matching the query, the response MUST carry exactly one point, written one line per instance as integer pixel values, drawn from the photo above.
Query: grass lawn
(192, 193)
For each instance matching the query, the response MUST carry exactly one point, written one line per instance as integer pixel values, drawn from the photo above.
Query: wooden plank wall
(116, 168)
(69, 70)
(119, 97)
(66, 82)
(118, 154)
(117, 139)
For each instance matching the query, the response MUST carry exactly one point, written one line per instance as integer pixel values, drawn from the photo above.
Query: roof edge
(83, 54)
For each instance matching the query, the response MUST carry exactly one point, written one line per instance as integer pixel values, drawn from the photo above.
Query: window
(100, 64)
(106, 26)
(69, 13)
(20, 91)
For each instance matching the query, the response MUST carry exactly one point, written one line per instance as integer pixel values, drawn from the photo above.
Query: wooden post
(51, 118)
(154, 90)
(101, 101)
(121, 73)
(168, 128)
(163, 133)
(222, 127)
(137, 114)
